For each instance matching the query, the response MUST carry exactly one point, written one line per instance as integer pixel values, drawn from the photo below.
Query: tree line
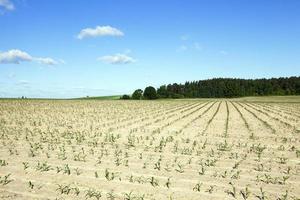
(221, 88)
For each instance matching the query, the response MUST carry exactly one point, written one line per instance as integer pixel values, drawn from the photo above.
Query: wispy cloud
(184, 37)
(197, 46)
(182, 48)
(47, 61)
(23, 83)
(12, 75)
(16, 56)
(7, 4)
(224, 52)
(117, 59)
(99, 31)
(188, 43)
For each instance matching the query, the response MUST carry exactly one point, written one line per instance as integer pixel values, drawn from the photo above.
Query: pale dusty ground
(175, 149)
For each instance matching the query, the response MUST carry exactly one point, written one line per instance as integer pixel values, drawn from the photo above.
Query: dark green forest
(223, 87)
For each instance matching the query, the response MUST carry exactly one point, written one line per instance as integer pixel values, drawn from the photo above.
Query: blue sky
(67, 48)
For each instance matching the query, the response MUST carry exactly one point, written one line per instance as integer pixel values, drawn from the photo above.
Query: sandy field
(164, 149)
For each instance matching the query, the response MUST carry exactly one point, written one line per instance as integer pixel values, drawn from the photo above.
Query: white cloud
(117, 59)
(46, 61)
(16, 56)
(99, 31)
(7, 4)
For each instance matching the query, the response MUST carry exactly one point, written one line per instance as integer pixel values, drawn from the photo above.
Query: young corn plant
(262, 195)
(30, 185)
(107, 175)
(4, 180)
(96, 175)
(202, 170)
(110, 195)
(64, 189)
(153, 181)
(197, 187)
(157, 165)
(284, 196)
(3, 163)
(210, 189)
(90, 193)
(258, 149)
(282, 160)
(284, 179)
(167, 168)
(129, 196)
(224, 146)
(43, 167)
(236, 175)
(78, 171)
(66, 169)
(25, 165)
(245, 193)
(298, 153)
(233, 191)
(76, 190)
(168, 183)
(179, 168)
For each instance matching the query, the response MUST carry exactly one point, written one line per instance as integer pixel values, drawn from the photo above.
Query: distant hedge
(227, 87)
(230, 87)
